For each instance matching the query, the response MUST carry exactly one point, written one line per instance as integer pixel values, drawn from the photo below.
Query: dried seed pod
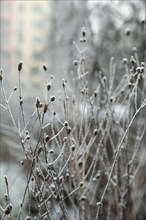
(64, 139)
(83, 198)
(37, 103)
(45, 67)
(142, 69)
(95, 94)
(134, 49)
(45, 108)
(75, 62)
(60, 179)
(80, 163)
(83, 40)
(8, 209)
(51, 151)
(28, 137)
(41, 105)
(21, 101)
(22, 162)
(28, 218)
(73, 147)
(132, 60)
(67, 175)
(138, 69)
(81, 184)
(83, 32)
(63, 83)
(111, 99)
(66, 123)
(6, 196)
(6, 180)
(128, 32)
(52, 99)
(47, 138)
(125, 60)
(95, 132)
(1, 71)
(49, 86)
(69, 130)
(40, 150)
(20, 66)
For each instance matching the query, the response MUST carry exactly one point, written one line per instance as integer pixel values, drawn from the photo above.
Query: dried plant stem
(117, 155)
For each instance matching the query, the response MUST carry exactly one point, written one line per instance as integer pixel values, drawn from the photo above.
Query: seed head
(138, 69)
(6, 180)
(111, 99)
(81, 184)
(37, 102)
(49, 86)
(83, 32)
(1, 72)
(128, 32)
(63, 83)
(80, 163)
(22, 162)
(132, 60)
(20, 64)
(134, 49)
(52, 99)
(40, 149)
(95, 132)
(73, 147)
(69, 130)
(1, 75)
(8, 209)
(67, 175)
(142, 70)
(61, 179)
(45, 67)
(66, 123)
(64, 139)
(21, 101)
(45, 108)
(51, 151)
(47, 138)
(83, 40)
(28, 137)
(75, 62)
(28, 218)
(125, 61)
(95, 94)
(83, 198)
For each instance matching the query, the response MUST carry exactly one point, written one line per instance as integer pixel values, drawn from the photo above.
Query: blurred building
(24, 31)
(6, 36)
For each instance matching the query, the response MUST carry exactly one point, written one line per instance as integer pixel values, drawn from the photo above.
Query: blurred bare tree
(113, 29)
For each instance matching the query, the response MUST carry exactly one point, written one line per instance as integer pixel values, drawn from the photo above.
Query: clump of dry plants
(82, 151)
